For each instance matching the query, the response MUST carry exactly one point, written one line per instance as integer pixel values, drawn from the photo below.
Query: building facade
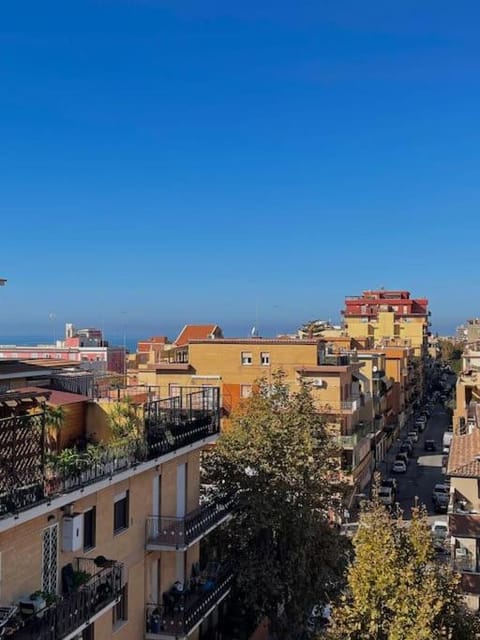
(104, 540)
(386, 314)
(84, 346)
(464, 513)
(340, 389)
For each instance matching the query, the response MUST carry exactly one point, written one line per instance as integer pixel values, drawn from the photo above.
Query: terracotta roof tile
(464, 526)
(462, 459)
(194, 332)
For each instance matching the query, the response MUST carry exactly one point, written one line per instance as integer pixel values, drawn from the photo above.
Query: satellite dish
(374, 369)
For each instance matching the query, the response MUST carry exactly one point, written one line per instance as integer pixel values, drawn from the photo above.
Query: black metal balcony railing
(180, 620)
(27, 478)
(181, 532)
(466, 564)
(338, 359)
(72, 611)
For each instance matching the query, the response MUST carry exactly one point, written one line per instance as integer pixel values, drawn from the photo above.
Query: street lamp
(124, 314)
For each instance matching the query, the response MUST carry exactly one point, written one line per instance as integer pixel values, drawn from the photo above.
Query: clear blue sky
(183, 160)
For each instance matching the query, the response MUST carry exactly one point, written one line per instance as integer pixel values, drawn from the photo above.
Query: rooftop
(464, 457)
(55, 397)
(290, 341)
(196, 332)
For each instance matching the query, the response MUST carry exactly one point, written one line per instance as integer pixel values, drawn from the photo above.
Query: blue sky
(196, 161)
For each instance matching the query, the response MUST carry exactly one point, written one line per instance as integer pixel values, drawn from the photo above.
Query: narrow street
(424, 469)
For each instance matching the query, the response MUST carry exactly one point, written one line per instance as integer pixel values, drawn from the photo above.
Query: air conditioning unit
(72, 532)
(318, 382)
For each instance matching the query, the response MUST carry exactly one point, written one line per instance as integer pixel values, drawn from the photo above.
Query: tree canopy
(280, 464)
(396, 590)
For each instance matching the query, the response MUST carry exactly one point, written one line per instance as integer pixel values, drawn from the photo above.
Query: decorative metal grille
(21, 461)
(50, 559)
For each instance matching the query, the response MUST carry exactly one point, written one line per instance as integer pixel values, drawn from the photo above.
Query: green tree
(451, 353)
(396, 590)
(280, 465)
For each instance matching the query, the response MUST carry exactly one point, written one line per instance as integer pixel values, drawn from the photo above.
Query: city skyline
(197, 164)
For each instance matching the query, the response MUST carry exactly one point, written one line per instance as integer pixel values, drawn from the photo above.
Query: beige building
(464, 512)
(105, 542)
(340, 388)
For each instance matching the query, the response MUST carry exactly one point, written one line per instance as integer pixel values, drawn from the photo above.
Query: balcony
(179, 620)
(362, 430)
(466, 564)
(29, 478)
(169, 533)
(336, 406)
(69, 614)
(338, 359)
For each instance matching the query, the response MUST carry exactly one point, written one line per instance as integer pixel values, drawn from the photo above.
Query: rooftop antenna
(254, 331)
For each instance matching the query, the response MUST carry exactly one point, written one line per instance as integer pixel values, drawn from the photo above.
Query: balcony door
(50, 559)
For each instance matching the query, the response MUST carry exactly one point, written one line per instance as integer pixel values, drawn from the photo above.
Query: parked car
(399, 467)
(407, 448)
(390, 482)
(440, 530)
(402, 457)
(420, 425)
(386, 495)
(429, 445)
(440, 490)
(413, 435)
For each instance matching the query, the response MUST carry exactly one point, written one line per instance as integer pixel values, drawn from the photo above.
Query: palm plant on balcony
(127, 427)
(54, 421)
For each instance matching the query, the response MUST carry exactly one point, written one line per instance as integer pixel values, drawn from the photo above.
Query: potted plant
(80, 578)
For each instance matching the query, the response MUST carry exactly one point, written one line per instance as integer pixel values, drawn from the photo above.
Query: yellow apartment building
(385, 314)
(105, 542)
(342, 392)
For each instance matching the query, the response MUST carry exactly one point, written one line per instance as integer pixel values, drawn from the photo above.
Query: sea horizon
(36, 339)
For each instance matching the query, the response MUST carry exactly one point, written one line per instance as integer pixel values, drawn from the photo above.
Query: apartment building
(472, 330)
(83, 346)
(389, 314)
(464, 512)
(341, 390)
(104, 540)
(467, 407)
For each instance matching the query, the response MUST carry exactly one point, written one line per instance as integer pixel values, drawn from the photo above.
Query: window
(89, 526)
(174, 390)
(120, 610)
(246, 357)
(245, 390)
(120, 512)
(264, 358)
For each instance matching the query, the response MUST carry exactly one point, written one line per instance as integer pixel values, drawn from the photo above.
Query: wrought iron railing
(27, 479)
(182, 617)
(180, 532)
(70, 612)
(466, 564)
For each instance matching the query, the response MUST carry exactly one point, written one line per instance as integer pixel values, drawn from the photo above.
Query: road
(424, 469)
